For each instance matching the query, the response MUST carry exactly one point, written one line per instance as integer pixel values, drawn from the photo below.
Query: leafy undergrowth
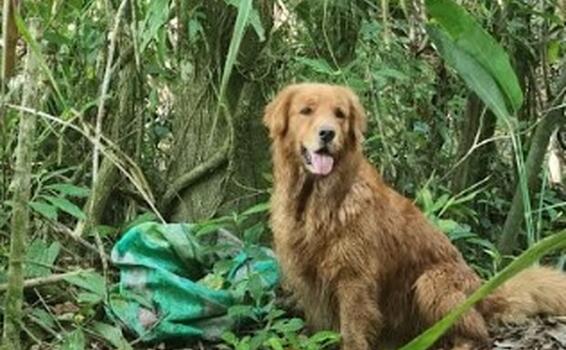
(70, 311)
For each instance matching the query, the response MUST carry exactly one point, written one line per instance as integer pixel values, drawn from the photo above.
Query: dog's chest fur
(313, 242)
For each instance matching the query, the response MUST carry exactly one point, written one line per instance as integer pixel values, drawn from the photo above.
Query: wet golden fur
(362, 259)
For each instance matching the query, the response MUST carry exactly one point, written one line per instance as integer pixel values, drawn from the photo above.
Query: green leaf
(275, 343)
(230, 338)
(74, 340)
(288, 326)
(40, 257)
(113, 335)
(70, 190)
(44, 209)
(89, 298)
(255, 21)
(258, 208)
(324, 338)
(44, 318)
(254, 233)
(90, 281)
(241, 311)
(476, 76)
(244, 11)
(553, 51)
(468, 36)
(156, 17)
(66, 206)
(318, 65)
(255, 286)
(430, 336)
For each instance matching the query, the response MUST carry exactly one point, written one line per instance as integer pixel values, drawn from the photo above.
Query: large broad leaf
(468, 38)
(429, 337)
(477, 77)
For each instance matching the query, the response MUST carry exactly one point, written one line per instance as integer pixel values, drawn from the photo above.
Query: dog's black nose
(326, 134)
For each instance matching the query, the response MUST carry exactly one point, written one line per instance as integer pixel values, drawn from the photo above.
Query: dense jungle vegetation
(118, 112)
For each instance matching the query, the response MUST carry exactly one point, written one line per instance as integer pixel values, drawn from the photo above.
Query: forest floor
(537, 334)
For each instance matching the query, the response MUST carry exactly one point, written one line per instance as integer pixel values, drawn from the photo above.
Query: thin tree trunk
(20, 214)
(535, 158)
(9, 38)
(108, 174)
(476, 127)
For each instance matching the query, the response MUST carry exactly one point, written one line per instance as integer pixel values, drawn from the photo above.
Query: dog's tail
(534, 291)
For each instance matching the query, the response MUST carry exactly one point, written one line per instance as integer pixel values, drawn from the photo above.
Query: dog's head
(318, 123)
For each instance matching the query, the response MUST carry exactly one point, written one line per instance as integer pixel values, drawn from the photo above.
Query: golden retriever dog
(360, 258)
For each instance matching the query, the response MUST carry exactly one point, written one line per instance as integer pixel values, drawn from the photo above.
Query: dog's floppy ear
(358, 122)
(276, 113)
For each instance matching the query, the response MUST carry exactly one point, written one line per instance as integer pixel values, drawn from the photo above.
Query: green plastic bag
(164, 292)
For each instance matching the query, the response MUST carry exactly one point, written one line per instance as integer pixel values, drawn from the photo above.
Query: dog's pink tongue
(322, 163)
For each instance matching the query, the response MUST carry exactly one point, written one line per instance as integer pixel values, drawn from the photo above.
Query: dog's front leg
(360, 318)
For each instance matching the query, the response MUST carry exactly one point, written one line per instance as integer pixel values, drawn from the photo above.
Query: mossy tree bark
(20, 212)
(206, 175)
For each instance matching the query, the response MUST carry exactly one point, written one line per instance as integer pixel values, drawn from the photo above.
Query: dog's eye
(339, 114)
(306, 111)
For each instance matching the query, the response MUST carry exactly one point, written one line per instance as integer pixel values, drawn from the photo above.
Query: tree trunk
(476, 127)
(20, 212)
(539, 144)
(204, 175)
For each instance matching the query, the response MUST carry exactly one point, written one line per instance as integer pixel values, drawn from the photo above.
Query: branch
(41, 281)
(68, 232)
(194, 175)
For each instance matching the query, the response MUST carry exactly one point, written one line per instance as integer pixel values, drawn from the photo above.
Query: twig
(476, 145)
(67, 231)
(41, 281)
(194, 175)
